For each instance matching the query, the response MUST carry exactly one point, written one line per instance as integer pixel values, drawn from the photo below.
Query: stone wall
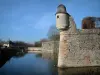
(34, 48)
(79, 49)
(50, 49)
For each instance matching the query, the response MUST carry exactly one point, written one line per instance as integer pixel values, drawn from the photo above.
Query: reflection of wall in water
(50, 50)
(80, 71)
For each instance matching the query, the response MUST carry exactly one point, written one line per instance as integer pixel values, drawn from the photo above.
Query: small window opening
(57, 16)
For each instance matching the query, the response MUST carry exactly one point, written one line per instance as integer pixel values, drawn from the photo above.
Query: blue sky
(29, 20)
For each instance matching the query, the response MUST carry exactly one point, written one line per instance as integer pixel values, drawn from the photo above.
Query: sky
(30, 20)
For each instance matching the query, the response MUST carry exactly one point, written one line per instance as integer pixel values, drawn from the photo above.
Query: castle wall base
(79, 49)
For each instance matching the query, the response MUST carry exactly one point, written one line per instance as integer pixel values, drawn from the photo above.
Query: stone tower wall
(80, 49)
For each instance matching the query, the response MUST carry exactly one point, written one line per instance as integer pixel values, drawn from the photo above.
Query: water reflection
(28, 65)
(39, 55)
(21, 63)
(6, 55)
(71, 71)
(80, 71)
(3, 60)
(51, 56)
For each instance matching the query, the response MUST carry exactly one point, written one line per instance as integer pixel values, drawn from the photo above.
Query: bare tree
(90, 22)
(53, 33)
(39, 43)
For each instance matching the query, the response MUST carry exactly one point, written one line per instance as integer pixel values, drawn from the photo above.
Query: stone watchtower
(76, 48)
(65, 25)
(62, 18)
(62, 24)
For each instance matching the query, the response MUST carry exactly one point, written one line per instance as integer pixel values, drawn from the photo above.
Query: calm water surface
(34, 64)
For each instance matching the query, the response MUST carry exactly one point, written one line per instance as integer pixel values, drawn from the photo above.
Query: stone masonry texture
(50, 50)
(76, 48)
(80, 49)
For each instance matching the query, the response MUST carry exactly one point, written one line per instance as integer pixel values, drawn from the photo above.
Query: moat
(35, 64)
